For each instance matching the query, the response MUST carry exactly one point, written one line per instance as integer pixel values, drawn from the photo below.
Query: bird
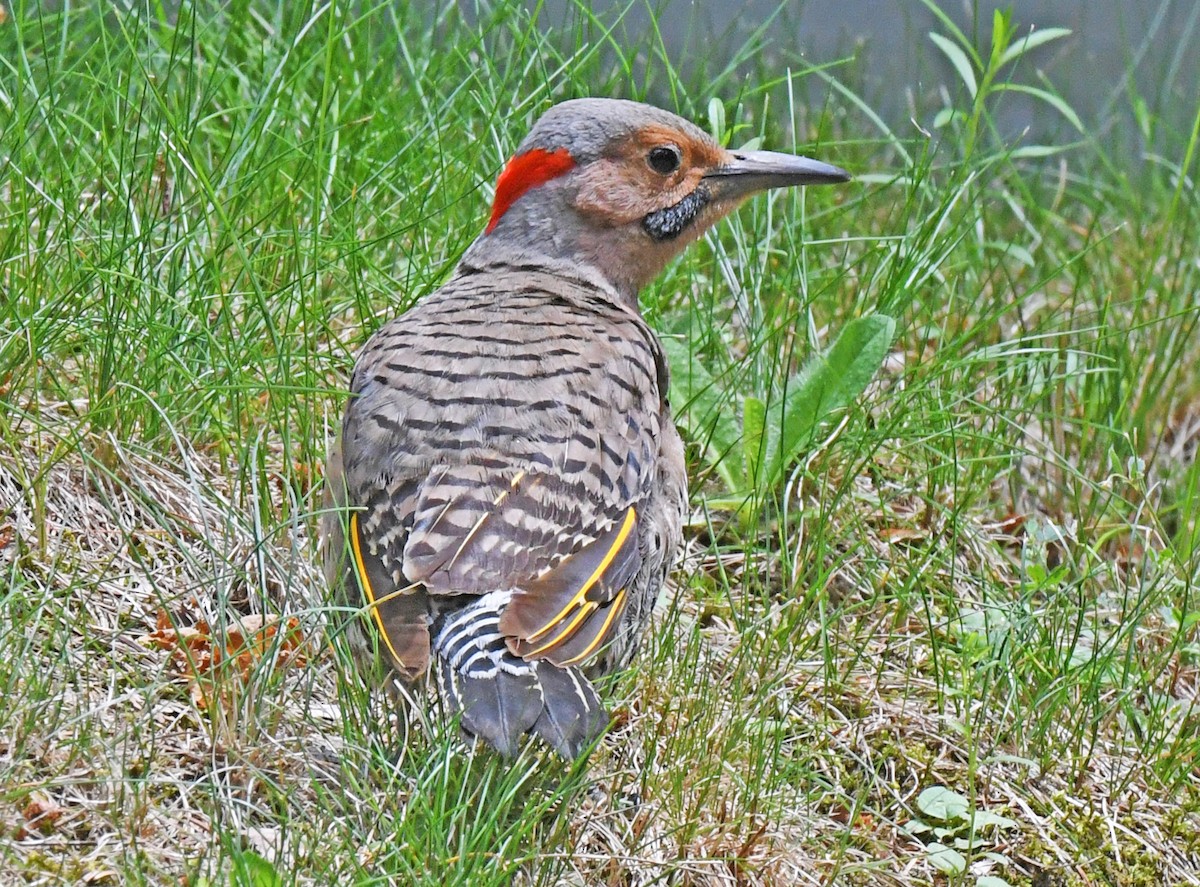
(508, 491)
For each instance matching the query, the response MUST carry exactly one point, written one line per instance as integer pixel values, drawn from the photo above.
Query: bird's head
(624, 187)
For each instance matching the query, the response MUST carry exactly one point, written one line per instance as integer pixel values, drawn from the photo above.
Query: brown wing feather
(399, 614)
(396, 608)
(478, 529)
(568, 613)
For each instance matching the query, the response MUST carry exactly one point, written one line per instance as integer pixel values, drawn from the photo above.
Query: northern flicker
(508, 492)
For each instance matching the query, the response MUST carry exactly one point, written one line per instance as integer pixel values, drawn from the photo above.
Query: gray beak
(752, 171)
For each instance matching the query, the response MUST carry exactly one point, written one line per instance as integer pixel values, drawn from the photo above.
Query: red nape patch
(524, 172)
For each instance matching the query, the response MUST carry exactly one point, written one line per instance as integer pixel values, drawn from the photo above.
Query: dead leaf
(42, 812)
(206, 662)
(899, 535)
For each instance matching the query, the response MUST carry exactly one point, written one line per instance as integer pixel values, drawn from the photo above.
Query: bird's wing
(567, 557)
(572, 610)
(355, 560)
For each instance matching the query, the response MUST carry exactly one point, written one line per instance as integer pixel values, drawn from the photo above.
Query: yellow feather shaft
(577, 599)
(584, 611)
(361, 568)
(617, 604)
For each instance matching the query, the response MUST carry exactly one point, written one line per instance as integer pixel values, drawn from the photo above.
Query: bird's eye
(664, 159)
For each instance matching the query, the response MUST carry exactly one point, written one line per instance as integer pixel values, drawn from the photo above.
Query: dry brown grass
(114, 763)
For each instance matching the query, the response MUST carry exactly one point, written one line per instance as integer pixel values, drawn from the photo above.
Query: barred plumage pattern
(516, 490)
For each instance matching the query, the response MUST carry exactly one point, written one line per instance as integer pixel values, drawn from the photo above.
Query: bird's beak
(747, 172)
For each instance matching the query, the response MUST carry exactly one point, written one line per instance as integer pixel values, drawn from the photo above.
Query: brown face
(650, 172)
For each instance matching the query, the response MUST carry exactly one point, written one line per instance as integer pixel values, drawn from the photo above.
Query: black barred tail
(501, 697)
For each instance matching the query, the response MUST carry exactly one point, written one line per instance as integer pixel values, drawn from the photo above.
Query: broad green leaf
(1144, 118)
(1188, 621)
(1037, 151)
(984, 819)
(826, 383)
(1012, 250)
(252, 870)
(1046, 96)
(716, 119)
(946, 859)
(703, 409)
(959, 59)
(939, 802)
(754, 439)
(1035, 39)
(1001, 35)
(951, 28)
(944, 116)
(991, 881)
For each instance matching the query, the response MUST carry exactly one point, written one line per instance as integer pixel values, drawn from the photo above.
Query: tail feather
(498, 708)
(572, 715)
(501, 696)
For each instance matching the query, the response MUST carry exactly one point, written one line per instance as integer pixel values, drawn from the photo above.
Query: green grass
(981, 577)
